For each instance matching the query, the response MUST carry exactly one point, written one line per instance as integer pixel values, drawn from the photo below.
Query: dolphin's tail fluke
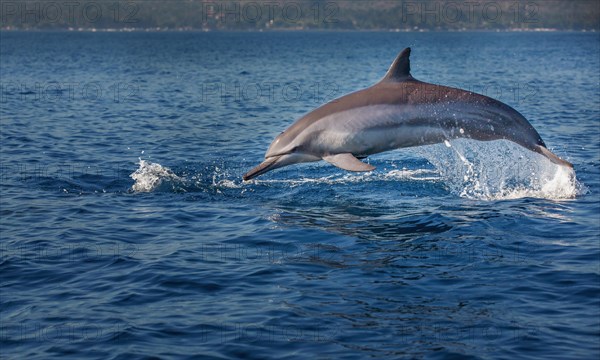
(555, 159)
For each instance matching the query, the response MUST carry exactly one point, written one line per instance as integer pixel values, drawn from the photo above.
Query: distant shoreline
(121, 30)
(302, 15)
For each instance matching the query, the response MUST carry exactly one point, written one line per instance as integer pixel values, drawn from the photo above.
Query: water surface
(127, 231)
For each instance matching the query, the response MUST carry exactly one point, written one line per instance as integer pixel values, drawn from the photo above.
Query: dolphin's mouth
(261, 168)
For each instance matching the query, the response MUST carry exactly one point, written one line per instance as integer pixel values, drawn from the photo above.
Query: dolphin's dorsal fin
(400, 69)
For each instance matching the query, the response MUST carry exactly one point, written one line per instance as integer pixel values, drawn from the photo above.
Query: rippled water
(127, 231)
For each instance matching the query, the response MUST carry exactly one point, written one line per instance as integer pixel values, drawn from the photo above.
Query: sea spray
(151, 176)
(500, 170)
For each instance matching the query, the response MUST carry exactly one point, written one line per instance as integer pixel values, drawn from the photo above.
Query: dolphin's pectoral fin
(348, 162)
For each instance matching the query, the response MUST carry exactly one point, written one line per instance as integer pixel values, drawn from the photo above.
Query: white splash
(230, 184)
(415, 175)
(467, 168)
(351, 177)
(150, 176)
(501, 170)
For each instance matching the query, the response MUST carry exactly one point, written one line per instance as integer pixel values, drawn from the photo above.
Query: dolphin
(397, 112)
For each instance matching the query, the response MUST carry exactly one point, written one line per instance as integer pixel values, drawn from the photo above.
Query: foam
(151, 176)
(501, 170)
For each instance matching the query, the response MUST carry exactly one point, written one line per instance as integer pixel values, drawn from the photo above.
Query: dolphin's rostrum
(399, 111)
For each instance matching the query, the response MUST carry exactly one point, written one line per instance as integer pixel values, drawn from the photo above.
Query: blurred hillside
(302, 14)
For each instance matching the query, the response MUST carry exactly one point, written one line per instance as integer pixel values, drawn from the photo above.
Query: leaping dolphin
(398, 111)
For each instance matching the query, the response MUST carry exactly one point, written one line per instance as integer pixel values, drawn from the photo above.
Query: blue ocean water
(126, 231)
